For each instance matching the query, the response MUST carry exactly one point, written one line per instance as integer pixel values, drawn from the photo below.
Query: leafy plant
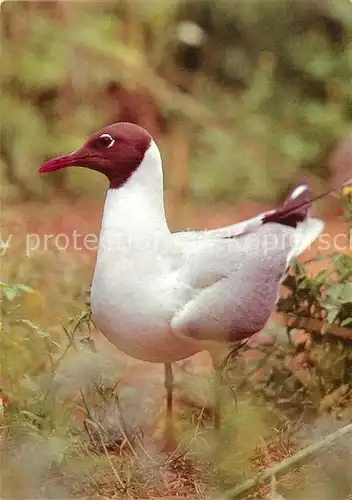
(260, 108)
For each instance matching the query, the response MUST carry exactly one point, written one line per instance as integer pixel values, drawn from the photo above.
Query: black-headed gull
(160, 296)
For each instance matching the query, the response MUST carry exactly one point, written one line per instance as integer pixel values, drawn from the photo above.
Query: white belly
(137, 321)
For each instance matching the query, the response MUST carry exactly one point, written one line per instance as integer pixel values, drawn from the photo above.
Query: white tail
(306, 232)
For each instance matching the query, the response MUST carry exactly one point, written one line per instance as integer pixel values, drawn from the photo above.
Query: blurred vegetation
(243, 98)
(254, 94)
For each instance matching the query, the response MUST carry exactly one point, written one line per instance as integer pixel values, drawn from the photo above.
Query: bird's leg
(169, 386)
(217, 356)
(221, 384)
(217, 397)
(170, 428)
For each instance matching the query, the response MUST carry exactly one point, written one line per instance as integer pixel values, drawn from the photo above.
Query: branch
(317, 326)
(286, 465)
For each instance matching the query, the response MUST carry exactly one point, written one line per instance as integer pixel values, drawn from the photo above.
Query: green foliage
(313, 371)
(346, 204)
(328, 295)
(296, 98)
(278, 101)
(34, 421)
(12, 292)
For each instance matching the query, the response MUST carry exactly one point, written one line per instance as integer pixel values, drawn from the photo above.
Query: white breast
(135, 292)
(136, 319)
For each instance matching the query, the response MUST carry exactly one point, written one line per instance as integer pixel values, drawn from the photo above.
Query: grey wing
(222, 232)
(236, 284)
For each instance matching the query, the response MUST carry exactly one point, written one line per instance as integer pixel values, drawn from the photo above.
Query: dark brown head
(116, 151)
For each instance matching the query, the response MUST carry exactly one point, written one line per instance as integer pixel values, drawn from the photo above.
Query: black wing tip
(295, 208)
(297, 205)
(300, 193)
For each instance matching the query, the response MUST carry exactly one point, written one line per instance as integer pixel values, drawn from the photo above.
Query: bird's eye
(106, 140)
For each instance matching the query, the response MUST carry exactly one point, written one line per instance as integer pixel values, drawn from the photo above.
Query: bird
(160, 296)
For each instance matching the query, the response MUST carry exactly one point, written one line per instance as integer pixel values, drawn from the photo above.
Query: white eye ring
(108, 136)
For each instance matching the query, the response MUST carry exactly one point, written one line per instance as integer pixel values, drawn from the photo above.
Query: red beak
(77, 158)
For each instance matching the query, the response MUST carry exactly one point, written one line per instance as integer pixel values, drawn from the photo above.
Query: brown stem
(286, 465)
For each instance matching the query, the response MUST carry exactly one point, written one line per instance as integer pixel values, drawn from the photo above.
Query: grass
(73, 425)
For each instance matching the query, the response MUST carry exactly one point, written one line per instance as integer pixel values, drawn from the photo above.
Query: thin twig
(316, 326)
(113, 468)
(286, 465)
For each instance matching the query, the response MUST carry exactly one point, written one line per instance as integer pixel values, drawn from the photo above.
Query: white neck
(135, 211)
